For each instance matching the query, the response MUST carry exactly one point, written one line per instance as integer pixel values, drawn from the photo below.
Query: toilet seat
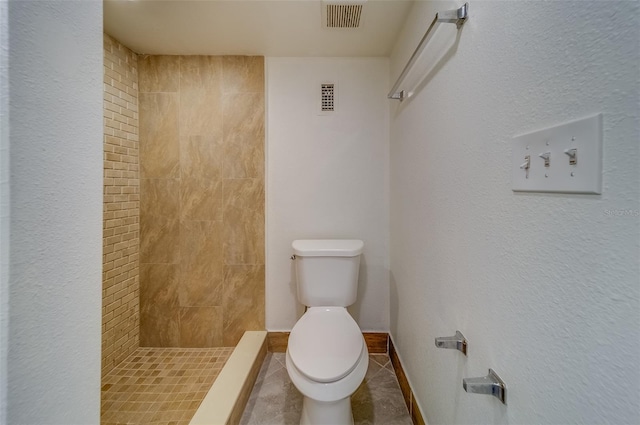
(325, 344)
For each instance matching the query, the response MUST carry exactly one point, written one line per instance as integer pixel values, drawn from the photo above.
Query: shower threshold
(228, 396)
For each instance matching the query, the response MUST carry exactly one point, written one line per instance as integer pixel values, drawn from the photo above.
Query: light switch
(566, 158)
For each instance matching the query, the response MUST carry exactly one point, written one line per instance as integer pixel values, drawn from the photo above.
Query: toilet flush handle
(293, 257)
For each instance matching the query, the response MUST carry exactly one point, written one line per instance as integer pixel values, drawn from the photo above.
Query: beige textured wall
(120, 277)
(202, 199)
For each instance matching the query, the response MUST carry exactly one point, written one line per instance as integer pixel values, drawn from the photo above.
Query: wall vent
(327, 97)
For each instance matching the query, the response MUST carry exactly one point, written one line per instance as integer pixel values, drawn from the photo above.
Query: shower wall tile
(244, 135)
(200, 73)
(243, 301)
(201, 157)
(243, 195)
(159, 74)
(244, 116)
(121, 221)
(159, 239)
(201, 327)
(201, 199)
(243, 74)
(159, 287)
(201, 96)
(159, 310)
(160, 197)
(160, 327)
(159, 307)
(159, 147)
(201, 264)
(246, 159)
(202, 160)
(244, 221)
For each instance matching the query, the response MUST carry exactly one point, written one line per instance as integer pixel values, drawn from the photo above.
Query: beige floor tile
(160, 386)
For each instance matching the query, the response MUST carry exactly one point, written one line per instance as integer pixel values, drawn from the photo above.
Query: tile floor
(160, 386)
(275, 401)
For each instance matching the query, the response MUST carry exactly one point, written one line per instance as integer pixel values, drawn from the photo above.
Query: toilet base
(316, 412)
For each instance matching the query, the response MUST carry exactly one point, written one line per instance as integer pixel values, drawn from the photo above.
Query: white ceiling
(250, 27)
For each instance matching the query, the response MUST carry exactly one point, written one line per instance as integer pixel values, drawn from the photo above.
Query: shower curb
(227, 397)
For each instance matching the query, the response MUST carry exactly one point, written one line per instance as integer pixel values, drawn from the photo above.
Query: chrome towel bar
(455, 16)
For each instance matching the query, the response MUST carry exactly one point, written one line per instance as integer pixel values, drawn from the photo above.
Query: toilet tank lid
(327, 247)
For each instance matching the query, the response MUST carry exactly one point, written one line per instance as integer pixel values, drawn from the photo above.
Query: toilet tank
(327, 271)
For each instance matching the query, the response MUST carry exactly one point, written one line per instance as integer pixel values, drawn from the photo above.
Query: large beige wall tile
(243, 221)
(245, 158)
(244, 115)
(201, 157)
(201, 199)
(243, 135)
(159, 313)
(201, 73)
(160, 197)
(243, 74)
(201, 264)
(159, 239)
(158, 73)
(159, 286)
(201, 326)
(243, 301)
(160, 328)
(159, 136)
(201, 96)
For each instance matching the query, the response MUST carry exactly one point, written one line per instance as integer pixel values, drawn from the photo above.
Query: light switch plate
(585, 176)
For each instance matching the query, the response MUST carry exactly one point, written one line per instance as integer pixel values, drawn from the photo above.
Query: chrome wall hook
(457, 342)
(490, 384)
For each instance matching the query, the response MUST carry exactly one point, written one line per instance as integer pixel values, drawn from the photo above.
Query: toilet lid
(325, 344)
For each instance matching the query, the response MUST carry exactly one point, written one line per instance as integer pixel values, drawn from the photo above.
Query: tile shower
(202, 199)
(183, 264)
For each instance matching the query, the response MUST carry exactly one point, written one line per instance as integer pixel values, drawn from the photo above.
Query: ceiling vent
(342, 14)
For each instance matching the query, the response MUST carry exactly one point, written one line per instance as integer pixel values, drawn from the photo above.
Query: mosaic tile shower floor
(160, 386)
(275, 401)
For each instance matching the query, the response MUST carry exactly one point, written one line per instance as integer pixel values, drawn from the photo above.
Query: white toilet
(327, 357)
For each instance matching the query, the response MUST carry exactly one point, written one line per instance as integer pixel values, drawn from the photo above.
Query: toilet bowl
(326, 359)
